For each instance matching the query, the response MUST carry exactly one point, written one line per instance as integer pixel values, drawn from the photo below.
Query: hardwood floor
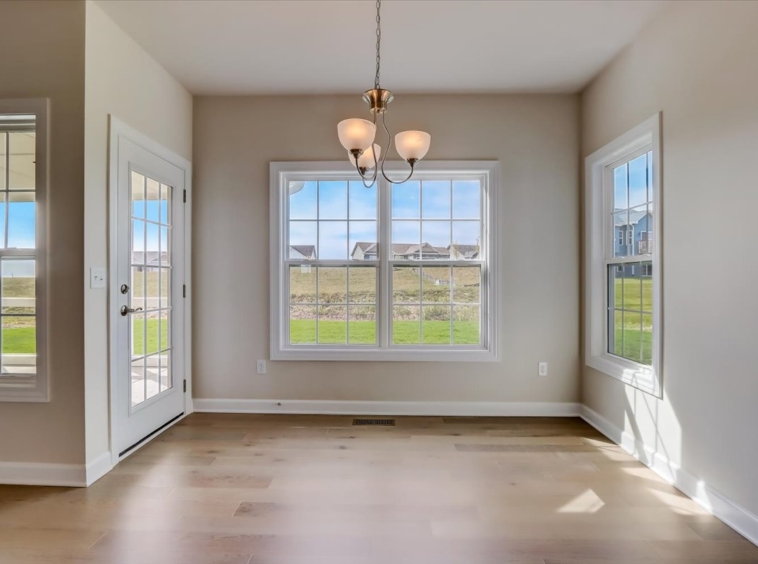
(247, 489)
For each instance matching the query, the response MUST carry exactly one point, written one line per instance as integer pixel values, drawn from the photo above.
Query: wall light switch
(261, 366)
(97, 278)
(543, 369)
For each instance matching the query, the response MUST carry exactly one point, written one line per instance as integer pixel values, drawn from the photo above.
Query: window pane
(302, 324)
(153, 334)
(406, 239)
(435, 199)
(620, 188)
(647, 339)
(2, 220)
(164, 320)
(138, 195)
(302, 200)
(632, 336)
(466, 325)
(137, 291)
(303, 240)
(436, 238)
(164, 259)
(21, 220)
(18, 288)
(362, 287)
(362, 201)
(152, 287)
(21, 157)
(165, 360)
(19, 337)
(467, 199)
(436, 325)
(638, 223)
(138, 382)
(363, 240)
(616, 332)
(466, 240)
(138, 334)
(638, 181)
(406, 285)
(406, 325)
(165, 204)
(332, 285)
(303, 284)
(650, 176)
(466, 284)
(152, 199)
(632, 287)
(332, 240)
(165, 282)
(362, 329)
(332, 324)
(152, 371)
(332, 200)
(621, 230)
(405, 200)
(435, 284)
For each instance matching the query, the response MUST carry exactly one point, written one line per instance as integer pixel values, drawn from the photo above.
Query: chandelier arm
(363, 178)
(412, 163)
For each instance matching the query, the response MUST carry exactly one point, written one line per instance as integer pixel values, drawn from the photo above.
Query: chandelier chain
(378, 41)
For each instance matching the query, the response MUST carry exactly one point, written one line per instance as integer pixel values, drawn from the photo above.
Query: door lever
(126, 310)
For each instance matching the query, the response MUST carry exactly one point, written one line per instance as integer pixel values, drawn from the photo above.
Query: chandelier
(357, 135)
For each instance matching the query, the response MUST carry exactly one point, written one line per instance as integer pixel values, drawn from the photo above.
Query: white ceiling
(326, 46)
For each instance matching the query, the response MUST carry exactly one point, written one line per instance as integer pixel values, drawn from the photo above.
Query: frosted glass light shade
(412, 144)
(366, 160)
(356, 133)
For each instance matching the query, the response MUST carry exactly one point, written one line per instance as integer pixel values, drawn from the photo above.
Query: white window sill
(631, 373)
(390, 355)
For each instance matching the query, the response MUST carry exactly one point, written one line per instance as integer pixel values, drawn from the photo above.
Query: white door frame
(119, 129)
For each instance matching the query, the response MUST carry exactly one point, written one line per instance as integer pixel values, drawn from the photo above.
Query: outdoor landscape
(633, 330)
(427, 308)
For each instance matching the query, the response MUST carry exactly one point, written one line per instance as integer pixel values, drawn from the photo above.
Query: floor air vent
(375, 422)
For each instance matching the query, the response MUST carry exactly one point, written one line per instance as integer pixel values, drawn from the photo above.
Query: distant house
(633, 235)
(149, 261)
(414, 251)
(303, 252)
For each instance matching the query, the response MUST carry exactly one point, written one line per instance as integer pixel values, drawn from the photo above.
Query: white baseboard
(99, 468)
(42, 474)
(428, 408)
(738, 518)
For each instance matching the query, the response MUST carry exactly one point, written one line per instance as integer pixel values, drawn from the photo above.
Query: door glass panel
(151, 288)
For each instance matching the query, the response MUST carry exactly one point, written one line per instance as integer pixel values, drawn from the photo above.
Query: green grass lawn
(303, 331)
(153, 346)
(634, 332)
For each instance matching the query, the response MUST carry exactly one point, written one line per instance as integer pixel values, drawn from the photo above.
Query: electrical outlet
(543, 369)
(97, 278)
(261, 365)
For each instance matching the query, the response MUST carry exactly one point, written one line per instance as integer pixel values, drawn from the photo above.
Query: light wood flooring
(254, 489)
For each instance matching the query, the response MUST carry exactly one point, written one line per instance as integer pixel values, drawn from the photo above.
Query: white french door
(147, 294)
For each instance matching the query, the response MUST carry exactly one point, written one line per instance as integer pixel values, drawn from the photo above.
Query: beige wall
(43, 43)
(536, 140)
(124, 81)
(697, 64)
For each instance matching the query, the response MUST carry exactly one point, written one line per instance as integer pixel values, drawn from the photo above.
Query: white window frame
(598, 236)
(281, 173)
(34, 387)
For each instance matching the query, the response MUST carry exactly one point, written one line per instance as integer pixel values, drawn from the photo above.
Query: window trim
(35, 388)
(598, 224)
(283, 172)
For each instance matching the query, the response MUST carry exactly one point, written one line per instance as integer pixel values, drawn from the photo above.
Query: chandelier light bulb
(356, 134)
(412, 144)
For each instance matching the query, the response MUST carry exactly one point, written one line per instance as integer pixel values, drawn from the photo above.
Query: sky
(631, 193)
(21, 234)
(153, 210)
(336, 215)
